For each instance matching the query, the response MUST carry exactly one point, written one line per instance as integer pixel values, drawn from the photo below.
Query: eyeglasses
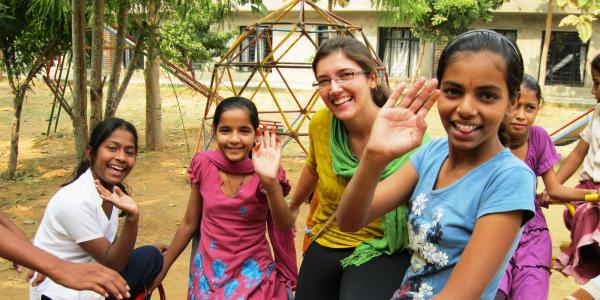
(341, 78)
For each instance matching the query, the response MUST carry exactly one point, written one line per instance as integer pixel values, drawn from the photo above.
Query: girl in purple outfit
(528, 273)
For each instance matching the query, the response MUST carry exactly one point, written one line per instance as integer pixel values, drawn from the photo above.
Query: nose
(334, 87)
(520, 113)
(235, 137)
(466, 108)
(120, 156)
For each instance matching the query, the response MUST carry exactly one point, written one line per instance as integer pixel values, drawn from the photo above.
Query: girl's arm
(560, 192)
(366, 199)
(573, 161)
(396, 131)
(185, 231)
(492, 237)
(115, 255)
(266, 157)
(307, 183)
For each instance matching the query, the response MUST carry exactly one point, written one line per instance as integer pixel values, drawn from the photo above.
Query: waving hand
(118, 199)
(266, 155)
(399, 127)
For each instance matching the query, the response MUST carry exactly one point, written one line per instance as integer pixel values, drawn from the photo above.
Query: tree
(79, 107)
(436, 20)
(145, 18)
(188, 39)
(546, 46)
(116, 89)
(96, 81)
(27, 43)
(589, 10)
(149, 16)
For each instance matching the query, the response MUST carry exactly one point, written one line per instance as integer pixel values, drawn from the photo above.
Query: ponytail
(380, 94)
(81, 167)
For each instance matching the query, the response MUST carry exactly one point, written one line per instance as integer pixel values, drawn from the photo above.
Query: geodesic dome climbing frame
(259, 60)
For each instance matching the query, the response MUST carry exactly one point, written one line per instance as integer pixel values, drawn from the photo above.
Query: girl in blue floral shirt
(468, 195)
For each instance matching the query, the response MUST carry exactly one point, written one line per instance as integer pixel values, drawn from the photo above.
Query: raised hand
(266, 155)
(118, 199)
(399, 127)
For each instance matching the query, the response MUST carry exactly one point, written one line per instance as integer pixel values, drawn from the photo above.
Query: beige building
(567, 80)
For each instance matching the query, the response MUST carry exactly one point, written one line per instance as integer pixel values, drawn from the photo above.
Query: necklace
(234, 193)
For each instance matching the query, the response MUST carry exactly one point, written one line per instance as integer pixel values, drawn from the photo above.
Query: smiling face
(474, 101)
(234, 134)
(347, 100)
(596, 87)
(523, 116)
(114, 158)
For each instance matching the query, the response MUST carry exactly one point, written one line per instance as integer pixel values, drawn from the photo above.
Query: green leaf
(583, 3)
(570, 20)
(585, 31)
(562, 3)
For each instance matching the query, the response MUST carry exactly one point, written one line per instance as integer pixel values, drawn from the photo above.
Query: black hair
(531, 84)
(358, 53)
(233, 103)
(487, 40)
(101, 132)
(595, 64)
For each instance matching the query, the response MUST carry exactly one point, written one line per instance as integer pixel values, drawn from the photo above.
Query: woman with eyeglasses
(369, 263)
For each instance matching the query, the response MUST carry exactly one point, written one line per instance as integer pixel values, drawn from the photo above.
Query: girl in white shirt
(81, 220)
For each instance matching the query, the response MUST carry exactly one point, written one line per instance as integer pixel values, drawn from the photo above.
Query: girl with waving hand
(81, 220)
(235, 191)
(468, 196)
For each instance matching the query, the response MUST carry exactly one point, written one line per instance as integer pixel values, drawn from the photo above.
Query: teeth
(342, 100)
(465, 127)
(118, 168)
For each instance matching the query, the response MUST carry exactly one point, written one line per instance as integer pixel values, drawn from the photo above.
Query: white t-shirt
(74, 215)
(591, 162)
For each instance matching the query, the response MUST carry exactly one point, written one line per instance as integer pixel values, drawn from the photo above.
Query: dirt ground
(159, 181)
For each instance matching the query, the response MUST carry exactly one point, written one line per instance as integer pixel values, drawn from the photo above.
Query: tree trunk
(136, 56)
(547, 37)
(1, 68)
(152, 76)
(80, 129)
(419, 61)
(117, 62)
(14, 135)
(96, 74)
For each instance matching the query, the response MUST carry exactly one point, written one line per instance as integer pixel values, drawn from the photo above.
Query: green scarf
(393, 223)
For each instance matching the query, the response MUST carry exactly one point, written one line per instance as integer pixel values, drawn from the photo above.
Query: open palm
(266, 155)
(118, 199)
(399, 129)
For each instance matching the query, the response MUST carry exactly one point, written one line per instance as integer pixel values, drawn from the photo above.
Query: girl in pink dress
(232, 198)
(528, 273)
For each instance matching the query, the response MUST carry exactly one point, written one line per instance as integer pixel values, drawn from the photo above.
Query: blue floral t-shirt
(441, 222)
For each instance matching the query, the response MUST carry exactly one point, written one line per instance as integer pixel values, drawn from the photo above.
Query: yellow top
(330, 188)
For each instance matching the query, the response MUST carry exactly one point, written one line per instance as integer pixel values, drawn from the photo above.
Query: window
(566, 61)
(509, 34)
(255, 50)
(399, 50)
